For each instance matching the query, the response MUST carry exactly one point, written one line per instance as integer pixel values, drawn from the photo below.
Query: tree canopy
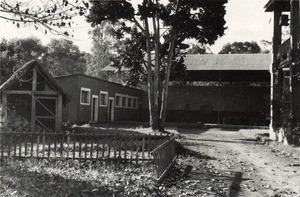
(54, 16)
(157, 33)
(60, 57)
(63, 57)
(241, 47)
(14, 53)
(103, 41)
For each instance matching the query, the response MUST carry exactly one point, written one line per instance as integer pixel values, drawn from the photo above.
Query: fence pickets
(133, 148)
(80, 146)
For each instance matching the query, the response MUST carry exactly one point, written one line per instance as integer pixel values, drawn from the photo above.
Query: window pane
(123, 101)
(129, 102)
(117, 100)
(134, 103)
(103, 99)
(84, 96)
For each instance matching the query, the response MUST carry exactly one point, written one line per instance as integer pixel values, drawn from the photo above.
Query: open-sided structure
(31, 100)
(222, 89)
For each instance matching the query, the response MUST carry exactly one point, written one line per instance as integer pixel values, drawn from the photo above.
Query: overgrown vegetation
(74, 178)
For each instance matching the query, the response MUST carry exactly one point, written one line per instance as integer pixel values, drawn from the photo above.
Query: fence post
(143, 148)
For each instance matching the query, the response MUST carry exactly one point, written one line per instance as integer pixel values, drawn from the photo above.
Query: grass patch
(33, 177)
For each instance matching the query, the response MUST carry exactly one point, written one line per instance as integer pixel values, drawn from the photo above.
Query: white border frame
(106, 100)
(89, 95)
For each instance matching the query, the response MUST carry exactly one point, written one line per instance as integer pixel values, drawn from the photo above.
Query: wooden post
(4, 110)
(295, 70)
(275, 75)
(58, 118)
(33, 102)
(219, 97)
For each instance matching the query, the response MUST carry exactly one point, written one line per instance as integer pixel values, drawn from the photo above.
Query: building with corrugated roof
(222, 88)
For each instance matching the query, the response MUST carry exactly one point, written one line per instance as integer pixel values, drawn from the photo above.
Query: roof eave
(277, 5)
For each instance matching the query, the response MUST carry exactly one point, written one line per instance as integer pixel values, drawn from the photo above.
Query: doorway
(111, 109)
(94, 111)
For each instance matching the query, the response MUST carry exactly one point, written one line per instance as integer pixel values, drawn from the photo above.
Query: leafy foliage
(104, 37)
(63, 57)
(74, 178)
(60, 57)
(14, 53)
(196, 49)
(181, 19)
(241, 47)
(53, 16)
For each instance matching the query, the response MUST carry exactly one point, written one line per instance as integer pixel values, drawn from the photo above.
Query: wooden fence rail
(80, 146)
(134, 148)
(164, 156)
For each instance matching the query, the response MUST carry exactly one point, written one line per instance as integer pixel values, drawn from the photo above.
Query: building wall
(237, 105)
(70, 87)
(82, 113)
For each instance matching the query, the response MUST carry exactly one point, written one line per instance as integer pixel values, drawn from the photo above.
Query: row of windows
(121, 100)
(126, 101)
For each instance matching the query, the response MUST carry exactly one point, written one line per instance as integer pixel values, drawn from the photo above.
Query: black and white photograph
(154, 98)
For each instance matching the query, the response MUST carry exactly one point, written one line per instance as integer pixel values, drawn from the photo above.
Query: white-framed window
(103, 98)
(129, 102)
(85, 96)
(124, 98)
(118, 100)
(126, 101)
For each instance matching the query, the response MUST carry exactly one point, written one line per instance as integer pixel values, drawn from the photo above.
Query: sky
(245, 20)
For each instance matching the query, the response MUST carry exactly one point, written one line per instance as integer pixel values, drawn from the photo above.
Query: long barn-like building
(222, 89)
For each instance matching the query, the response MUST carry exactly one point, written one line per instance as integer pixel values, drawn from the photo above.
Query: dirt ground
(223, 162)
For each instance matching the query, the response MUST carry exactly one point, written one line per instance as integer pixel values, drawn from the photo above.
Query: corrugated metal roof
(228, 62)
(258, 61)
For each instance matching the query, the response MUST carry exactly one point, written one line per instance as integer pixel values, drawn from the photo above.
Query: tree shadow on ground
(18, 180)
(32, 183)
(202, 180)
(195, 130)
(185, 152)
(235, 141)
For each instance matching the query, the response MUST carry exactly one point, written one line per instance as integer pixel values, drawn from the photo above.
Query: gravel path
(233, 163)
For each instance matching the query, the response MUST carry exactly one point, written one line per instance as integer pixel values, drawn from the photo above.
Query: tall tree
(63, 57)
(103, 36)
(14, 53)
(241, 47)
(54, 16)
(182, 19)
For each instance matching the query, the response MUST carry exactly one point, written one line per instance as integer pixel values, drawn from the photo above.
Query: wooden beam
(18, 92)
(45, 117)
(50, 93)
(33, 102)
(58, 120)
(45, 93)
(34, 78)
(46, 97)
(4, 109)
(33, 110)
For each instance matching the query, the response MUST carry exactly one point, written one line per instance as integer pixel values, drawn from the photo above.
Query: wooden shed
(31, 100)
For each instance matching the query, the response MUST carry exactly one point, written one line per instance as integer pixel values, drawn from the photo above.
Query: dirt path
(227, 163)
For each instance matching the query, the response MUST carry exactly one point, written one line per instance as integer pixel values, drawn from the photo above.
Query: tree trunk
(157, 103)
(149, 70)
(165, 88)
